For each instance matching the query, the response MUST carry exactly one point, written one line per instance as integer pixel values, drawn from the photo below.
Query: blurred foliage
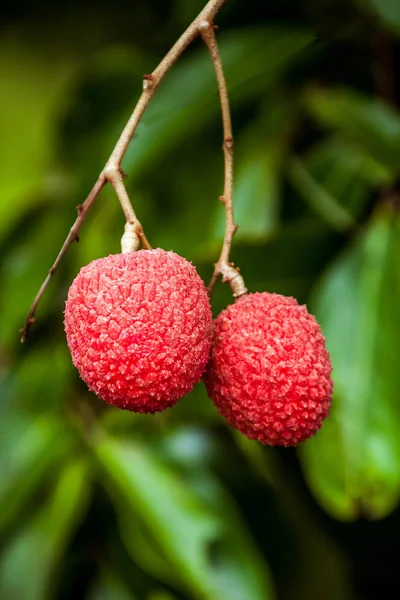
(103, 505)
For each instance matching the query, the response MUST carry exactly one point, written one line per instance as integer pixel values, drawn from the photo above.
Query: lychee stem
(223, 266)
(150, 84)
(115, 176)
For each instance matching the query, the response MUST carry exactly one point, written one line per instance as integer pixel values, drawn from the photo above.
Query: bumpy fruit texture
(139, 328)
(269, 372)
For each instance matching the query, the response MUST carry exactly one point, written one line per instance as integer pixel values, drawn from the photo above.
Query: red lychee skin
(269, 373)
(139, 328)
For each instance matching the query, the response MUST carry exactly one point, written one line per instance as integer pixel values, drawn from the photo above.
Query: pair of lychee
(140, 330)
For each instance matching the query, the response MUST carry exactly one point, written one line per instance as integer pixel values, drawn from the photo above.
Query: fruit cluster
(140, 330)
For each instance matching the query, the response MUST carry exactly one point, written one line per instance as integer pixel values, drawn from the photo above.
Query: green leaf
(239, 570)
(28, 135)
(369, 123)
(337, 180)
(40, 379)
(289, 262)
(320, 200)
(353, 464)
(256, 196)
(25, 266)
(160, 595)
(169, 511)
(320, 567)
(187, 100)
(30, 563)
(108, 586)
(29, 450)
(346, 172)
(184, 539)
(387, 10)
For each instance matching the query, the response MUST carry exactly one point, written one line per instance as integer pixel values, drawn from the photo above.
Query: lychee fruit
(269, 373)
(139, 328)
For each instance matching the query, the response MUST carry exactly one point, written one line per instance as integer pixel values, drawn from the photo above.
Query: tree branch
(112, 171)
(71, 237)
(223, 267)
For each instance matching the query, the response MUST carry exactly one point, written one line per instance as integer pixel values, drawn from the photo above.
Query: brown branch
(71, 237)
(112, 171)
(223, 267)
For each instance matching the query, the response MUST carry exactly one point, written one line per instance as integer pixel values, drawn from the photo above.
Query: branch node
(112, 172)
(79, 208)
(148, 81)
(204, 25)
(228, 142)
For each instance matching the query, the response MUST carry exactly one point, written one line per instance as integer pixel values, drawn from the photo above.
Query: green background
(100, 504)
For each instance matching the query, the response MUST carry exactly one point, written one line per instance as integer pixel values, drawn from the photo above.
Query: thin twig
(223, 266)
(71, 237)
(115, 176)
(112, 171)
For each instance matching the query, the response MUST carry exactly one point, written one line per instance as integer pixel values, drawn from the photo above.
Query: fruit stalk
(223, 266)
